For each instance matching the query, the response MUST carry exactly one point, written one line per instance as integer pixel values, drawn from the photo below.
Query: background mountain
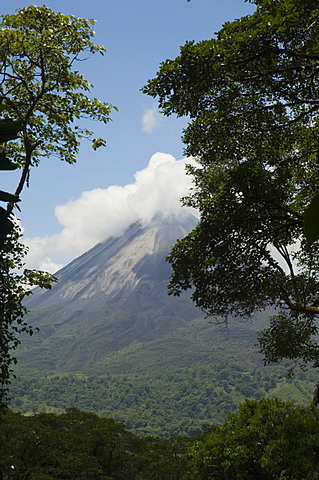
(112, 297)
(112, 341)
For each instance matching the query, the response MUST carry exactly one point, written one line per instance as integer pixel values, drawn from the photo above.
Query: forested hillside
(162, 401)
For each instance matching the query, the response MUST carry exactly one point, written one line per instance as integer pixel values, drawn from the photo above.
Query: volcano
(109, 298)
(112, 341)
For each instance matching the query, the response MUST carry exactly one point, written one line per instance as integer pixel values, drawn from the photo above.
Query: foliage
(251, 95)
(14, 286)
(76, 445)
(9, 130)
(169, 384)
(267, 439)
(41, 88)
(171, 401)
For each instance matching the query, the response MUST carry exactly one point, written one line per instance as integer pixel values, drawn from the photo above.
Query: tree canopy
(251, 95)
(43, 99)
(268, 439)
(41, 88)
(15, 283)
(79, 444)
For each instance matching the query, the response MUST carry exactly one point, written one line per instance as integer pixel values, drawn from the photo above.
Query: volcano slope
(111, 340)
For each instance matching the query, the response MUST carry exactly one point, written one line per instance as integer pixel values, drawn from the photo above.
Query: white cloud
(151, 120)
(102, 213)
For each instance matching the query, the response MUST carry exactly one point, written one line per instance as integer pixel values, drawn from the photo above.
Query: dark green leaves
(46, 96)
(5, 225)
(6, 164)
(9, 129)
(15, 285)
(251, 94)
(289, 337)
(312, 221)
(8, 197)
(268, 439)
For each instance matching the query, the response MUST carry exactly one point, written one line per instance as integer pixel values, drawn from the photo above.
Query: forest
(268, 439)
(163, 402)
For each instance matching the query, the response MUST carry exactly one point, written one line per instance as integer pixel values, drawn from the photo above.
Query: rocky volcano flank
(115, 268)
(109, 298)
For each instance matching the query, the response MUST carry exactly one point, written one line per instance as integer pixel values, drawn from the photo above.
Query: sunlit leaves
(98, 142)
(40, 85)
(42, 104)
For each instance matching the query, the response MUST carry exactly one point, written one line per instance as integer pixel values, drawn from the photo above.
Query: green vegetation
(163, 401)
(267, 440)
(77, 445)
(41, 89)
(15, 286)
(251, 94)
(171, 383)
(9, 130)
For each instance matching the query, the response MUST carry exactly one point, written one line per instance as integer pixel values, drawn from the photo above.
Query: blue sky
(59, 220)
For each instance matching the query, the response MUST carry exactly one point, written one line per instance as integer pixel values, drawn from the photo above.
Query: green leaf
(97, 143)
(5, 225)
(9, 197)
(9, 129)
(312, 221)
(44, 82)
(6, 164)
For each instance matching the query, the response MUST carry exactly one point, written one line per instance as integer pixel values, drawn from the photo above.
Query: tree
(166, 459)
(252, 96)
(41, 89)
(268, 439)
(15, 285)
(42, 101)
(9, 130)
(72, 445)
